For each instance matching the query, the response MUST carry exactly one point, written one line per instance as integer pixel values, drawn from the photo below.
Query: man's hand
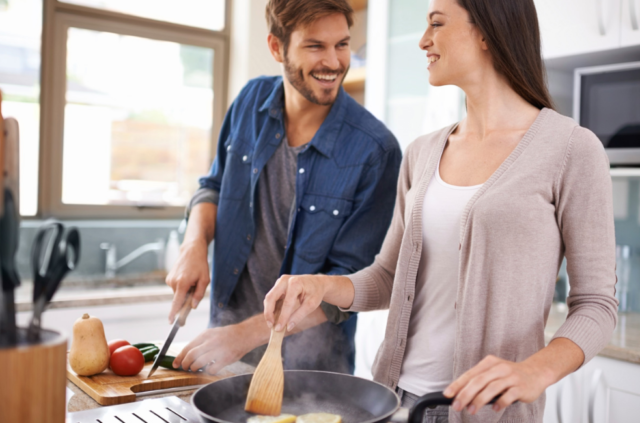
(215, 349)
(524, 381)
(191, 269)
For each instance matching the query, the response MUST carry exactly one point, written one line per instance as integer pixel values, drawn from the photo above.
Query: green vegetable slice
(150, 353)
(142, 345)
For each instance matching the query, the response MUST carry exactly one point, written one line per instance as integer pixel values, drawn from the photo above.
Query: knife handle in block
(1, 159)
(186, 308)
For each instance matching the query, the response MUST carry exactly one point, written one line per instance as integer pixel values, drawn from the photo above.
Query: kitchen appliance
(32, 388)
(357, 400)
(607, 101)
(160, 410)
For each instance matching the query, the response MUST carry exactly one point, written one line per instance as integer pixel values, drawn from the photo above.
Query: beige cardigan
(549, 199)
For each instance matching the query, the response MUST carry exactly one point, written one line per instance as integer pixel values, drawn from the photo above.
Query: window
(132, 99)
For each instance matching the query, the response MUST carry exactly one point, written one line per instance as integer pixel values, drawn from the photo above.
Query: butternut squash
(89, 354)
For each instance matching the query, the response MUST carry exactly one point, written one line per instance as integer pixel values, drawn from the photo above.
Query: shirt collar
(324, 140)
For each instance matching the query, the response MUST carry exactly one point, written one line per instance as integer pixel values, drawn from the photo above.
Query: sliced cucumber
(150, 353)
(143, 345)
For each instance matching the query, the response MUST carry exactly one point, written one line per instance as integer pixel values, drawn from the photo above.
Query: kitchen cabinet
(570, 27)
(603, 391)
(630, 29)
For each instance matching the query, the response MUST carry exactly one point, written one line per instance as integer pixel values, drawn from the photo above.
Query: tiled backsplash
(125, 235)
(626, 209)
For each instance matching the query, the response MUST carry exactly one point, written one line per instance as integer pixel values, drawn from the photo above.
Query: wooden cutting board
(107, 388)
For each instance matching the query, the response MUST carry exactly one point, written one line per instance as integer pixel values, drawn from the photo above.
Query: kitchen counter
(624, 344)
(80, 401)
(128, 289)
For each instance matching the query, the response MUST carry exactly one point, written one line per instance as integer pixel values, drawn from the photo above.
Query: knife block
(33, 382)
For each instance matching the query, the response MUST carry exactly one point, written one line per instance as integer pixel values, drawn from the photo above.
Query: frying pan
(357, 400)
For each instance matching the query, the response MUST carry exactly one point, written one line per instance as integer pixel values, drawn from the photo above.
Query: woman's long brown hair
(510, 29)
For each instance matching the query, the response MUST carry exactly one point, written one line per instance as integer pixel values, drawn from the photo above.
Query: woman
(486, 211)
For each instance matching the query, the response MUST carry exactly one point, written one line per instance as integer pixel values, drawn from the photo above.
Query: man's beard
(295, 76)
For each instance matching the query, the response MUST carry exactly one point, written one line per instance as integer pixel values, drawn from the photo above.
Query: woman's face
(456, 51)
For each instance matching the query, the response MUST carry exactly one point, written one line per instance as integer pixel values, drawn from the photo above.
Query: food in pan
(319, 418)
(282, 418)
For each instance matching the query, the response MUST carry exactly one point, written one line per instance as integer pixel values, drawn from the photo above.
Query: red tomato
(115, 344)
(127, 361)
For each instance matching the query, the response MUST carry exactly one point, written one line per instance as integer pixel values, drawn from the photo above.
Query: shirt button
(278, 135)
(255, 170)
(228, 148)
(312, 208)
(336, 212)
(244, 158)
(235, 271)
(301, 170)
(220, 305)
(250, 204)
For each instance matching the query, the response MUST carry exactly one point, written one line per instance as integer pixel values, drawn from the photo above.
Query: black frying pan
(357, 400)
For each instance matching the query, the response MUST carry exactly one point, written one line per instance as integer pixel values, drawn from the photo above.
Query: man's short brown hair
(284, 16)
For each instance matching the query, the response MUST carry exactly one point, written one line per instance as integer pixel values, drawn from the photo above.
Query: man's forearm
(257, 332)
(202, 224)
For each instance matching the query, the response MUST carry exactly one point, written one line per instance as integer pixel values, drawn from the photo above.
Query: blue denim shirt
(345, 188)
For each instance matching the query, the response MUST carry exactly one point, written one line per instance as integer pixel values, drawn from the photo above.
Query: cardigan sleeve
(373, 284)
(585, 217)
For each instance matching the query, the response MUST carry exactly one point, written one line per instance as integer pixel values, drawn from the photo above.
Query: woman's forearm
(339, 291)
(558, 359)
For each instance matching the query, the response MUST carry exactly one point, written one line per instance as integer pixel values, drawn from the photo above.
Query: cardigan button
(459, 247)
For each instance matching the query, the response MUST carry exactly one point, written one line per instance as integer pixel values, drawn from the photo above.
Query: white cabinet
(630, 28)
(570, 27)
(603, 391)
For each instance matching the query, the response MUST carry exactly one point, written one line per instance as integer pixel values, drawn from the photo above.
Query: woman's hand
(302, 295)
(524, 381)
(494, 376)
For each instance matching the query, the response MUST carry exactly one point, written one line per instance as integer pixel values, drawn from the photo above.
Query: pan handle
(435, 398)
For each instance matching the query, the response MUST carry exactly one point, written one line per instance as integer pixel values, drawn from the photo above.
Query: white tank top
(428, 359)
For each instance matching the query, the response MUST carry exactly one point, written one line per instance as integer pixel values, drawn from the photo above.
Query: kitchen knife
(9, 224)
(2, 135)
(177, 324)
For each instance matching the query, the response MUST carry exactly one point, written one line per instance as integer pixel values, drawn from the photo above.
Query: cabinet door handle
(593, 389)
(600, 14)
(634, 15)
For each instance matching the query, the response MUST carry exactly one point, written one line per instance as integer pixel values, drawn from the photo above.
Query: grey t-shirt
(273, 213)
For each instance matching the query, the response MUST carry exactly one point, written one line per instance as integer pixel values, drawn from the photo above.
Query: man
(304, 182)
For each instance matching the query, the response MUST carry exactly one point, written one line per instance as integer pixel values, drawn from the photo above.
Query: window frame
(58, 17)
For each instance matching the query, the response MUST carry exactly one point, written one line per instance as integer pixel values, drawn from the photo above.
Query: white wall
(250, 56)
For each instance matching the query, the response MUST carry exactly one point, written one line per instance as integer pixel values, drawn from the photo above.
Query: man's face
(318, 58)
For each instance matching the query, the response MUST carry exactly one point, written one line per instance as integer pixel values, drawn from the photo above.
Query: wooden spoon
(267, 383)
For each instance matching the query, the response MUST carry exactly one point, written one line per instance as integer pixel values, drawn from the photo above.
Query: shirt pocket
(318, 223)
(236, 179)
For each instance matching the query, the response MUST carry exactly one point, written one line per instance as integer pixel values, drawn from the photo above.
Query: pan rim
(382, 417)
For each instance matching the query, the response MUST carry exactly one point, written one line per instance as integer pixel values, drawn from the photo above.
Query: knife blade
(177, 324)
